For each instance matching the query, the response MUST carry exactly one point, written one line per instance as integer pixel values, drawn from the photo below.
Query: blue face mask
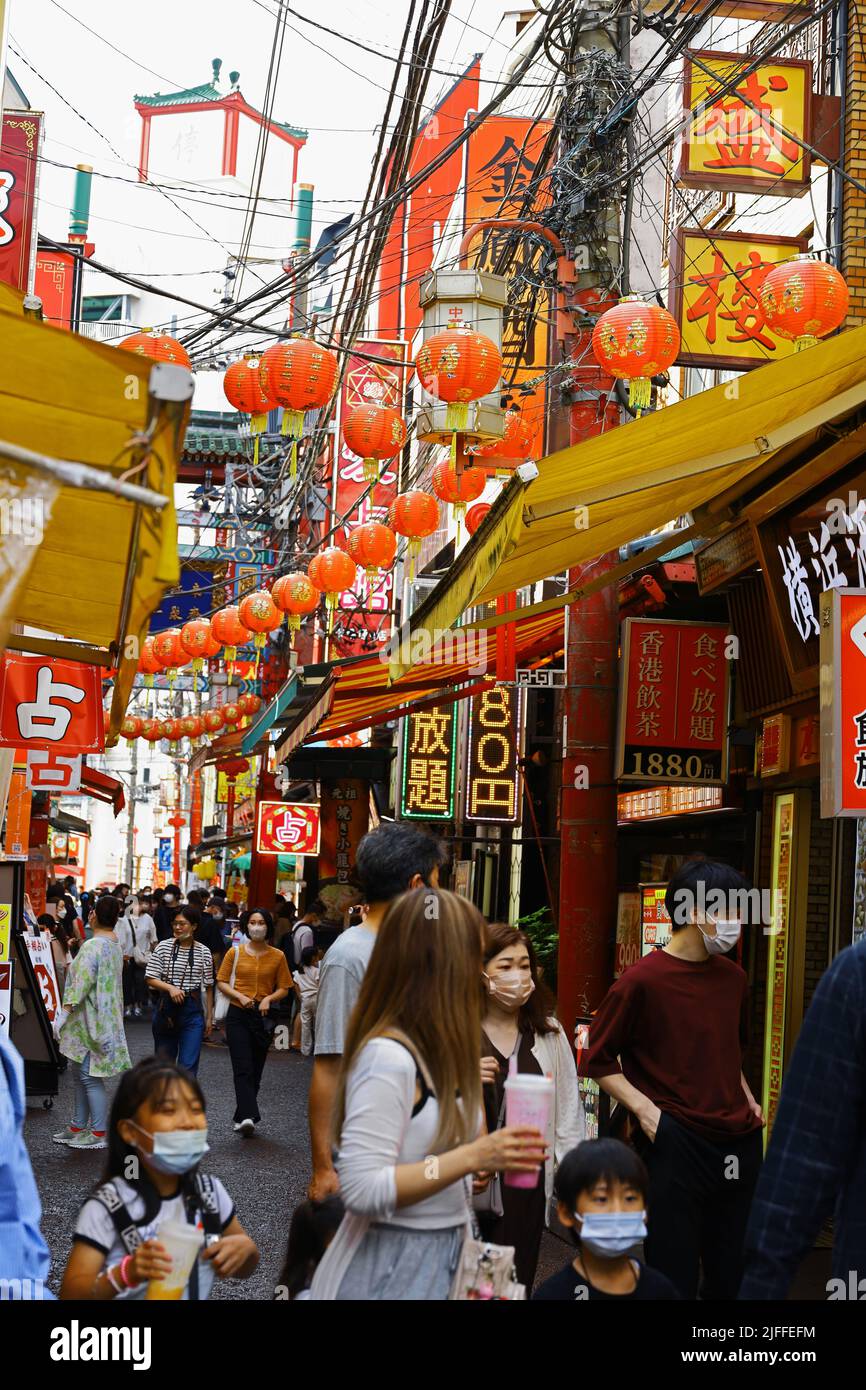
(176, 1150)
(609, 1234)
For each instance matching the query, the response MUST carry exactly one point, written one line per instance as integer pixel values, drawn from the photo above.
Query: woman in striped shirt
(181, 971)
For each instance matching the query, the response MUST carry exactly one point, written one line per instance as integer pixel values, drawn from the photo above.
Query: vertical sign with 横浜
(428, 778)
(842, 696)
(673, 708)
(493, 756)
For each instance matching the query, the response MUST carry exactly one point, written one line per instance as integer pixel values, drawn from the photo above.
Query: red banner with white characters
(673, 712)
(843, 702)
(363, 620)
(50, 704)
(19, 153)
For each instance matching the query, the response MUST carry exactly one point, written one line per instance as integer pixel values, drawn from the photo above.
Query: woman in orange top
(253, 976)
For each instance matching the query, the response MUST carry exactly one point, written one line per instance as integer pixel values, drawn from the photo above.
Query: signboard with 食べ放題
(428, 781)
(716, 281)
(746, 133)
(673, 706)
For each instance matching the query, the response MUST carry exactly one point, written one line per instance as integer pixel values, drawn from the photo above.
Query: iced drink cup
(182, 1243)
(527, 1102)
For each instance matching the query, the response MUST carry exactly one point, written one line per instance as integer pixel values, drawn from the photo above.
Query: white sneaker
(246, 1128)
(64, 1136)
(86, 1140)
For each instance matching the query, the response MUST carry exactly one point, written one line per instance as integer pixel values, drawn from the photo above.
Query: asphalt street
(266, 1175)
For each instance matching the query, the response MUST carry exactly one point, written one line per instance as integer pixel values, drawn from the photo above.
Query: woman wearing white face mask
(518, 1021)
(253, 976)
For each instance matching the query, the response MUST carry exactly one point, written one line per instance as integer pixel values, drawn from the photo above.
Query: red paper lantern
(458, 365)
(168, 648)
(375, 432)
(233, 713)
(159, 347)
(130, 726)
(243, 388)
(250, 703)
(636, 341)
(475, 515)
(197, 641)
(149, 663)
(458, 488)
(516, 443)
(299, 375)
(374, 546)
(260, 614)
(191, 725)
(150, 730)
(228, 629)
(804, 300)
(334, 572)
(214, 719)
(414, 515)
(171, 729)
(295, 595)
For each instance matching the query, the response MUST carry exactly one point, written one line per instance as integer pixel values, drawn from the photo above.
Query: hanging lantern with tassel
(232, 712)
(457, 366)
(159, 347)
(296, 596)
(373, 545)
(259, 613)
(803, 301)
(198, 642)
(376, 432)
(243, 389)
(458, 489)
(414, 515)
(299, 375)
(229, 631)
(514, 447)
(213, 719)
(636, 341)
(168, 649)
(149, 664)
(130, 727)
(332, 571)
(249, 702)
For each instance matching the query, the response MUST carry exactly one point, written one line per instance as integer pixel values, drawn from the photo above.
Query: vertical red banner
(345, 813)
(19, 153)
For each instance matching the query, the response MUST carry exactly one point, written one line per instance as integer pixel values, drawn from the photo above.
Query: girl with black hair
(181, 971)
(601, 1191)
(254, 975)
(314, 1225)
(157, 1137)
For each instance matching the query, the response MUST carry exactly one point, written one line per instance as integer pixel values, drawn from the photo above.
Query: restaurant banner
(19, 177)
(428, 780)
(843, 702)
(51, 704)
(715, 296)
(345, 821)
(741, 137)
(501, 160)
(673, 705)
(363, 619)
(493, 756)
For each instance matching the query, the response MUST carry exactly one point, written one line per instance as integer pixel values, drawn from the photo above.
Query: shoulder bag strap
(127, 1231)
(398, 1036)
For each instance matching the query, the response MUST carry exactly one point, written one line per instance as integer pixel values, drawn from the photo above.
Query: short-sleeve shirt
(188, 968)
(95, 1227)
(258, 973)
(570, 1287)
(307, 981)
(340, 977)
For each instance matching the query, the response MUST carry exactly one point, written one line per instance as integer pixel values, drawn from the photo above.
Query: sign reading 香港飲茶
(673, 708)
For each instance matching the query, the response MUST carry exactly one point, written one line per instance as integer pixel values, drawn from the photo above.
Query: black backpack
(201, 1204)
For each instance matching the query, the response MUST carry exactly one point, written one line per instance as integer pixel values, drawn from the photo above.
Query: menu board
(655, 922)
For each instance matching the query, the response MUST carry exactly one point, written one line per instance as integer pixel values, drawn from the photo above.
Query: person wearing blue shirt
(24, 1258)
(816, 1160)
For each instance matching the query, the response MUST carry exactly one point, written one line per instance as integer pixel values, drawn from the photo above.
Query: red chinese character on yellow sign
(748, 133)
(716, 297)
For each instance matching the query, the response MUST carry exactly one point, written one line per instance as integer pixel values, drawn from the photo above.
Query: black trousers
(698, 1208)
(248, 1043)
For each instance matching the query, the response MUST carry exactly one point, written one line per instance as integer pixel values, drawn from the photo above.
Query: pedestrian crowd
(446, 1125)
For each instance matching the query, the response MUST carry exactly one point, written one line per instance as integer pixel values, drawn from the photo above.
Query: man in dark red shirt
(667, 1045)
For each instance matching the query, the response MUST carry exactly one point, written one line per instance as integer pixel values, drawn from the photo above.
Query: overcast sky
(176, 40)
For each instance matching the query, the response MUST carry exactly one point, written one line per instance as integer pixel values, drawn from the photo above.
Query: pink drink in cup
(528, 1099)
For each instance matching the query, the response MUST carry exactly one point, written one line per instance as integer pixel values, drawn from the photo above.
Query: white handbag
(221, 1004)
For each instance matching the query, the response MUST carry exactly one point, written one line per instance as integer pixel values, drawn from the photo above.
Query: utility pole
(587, 894)
(130, 818)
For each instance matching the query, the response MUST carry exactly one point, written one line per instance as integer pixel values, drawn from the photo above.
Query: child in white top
(306, 980)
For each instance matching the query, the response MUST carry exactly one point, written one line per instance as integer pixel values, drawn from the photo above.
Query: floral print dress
(93, 1002)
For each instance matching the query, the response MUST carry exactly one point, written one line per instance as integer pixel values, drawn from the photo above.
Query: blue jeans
(182, 1043)
(91, 1098)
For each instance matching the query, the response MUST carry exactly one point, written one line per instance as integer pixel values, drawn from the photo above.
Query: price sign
(39, 950)
(492, 763)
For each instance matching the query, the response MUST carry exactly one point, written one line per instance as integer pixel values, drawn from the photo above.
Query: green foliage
(539, 927)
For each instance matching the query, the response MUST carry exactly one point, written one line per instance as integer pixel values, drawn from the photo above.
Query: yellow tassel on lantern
(293, 423)
(457, 416)
(640, 390)
(293, 461)
(808, 340)
(371, 470)
(148, 682)
(260, 640)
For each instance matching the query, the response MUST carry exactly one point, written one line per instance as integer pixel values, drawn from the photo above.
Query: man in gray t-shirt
(391, 860)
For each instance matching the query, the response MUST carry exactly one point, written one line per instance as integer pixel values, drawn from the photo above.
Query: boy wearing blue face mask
(157, 1137)
(601, 1189)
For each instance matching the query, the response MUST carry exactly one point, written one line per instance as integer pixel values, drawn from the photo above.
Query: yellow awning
(104, 562)
(599, 495)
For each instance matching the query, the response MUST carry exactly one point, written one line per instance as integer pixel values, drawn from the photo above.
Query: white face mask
(61, 913)
(257, 933)
(511, 988)
(726, 936)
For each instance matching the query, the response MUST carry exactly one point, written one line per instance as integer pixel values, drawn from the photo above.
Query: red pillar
(144, 155)
(587, 889)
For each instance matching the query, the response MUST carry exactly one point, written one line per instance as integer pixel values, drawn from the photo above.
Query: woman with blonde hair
(408, 1110)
